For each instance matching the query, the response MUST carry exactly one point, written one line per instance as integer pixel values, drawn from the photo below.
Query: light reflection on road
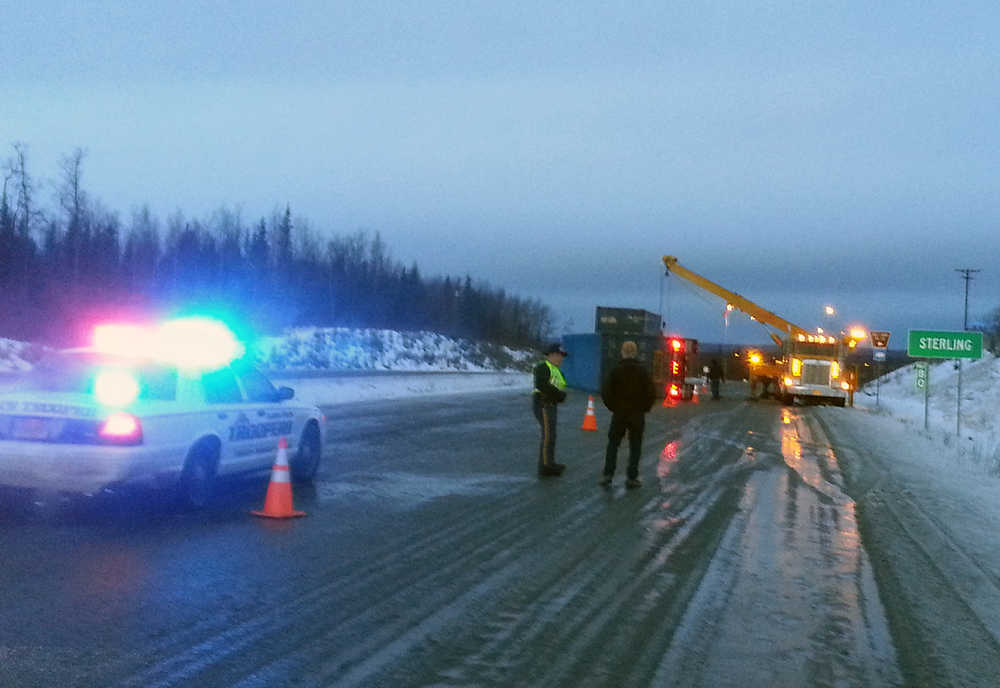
(789, 599)
(668, 458)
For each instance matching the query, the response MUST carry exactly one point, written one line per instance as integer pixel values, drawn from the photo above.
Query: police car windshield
(76, 372)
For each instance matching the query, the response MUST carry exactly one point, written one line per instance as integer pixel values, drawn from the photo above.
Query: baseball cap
(556, 348)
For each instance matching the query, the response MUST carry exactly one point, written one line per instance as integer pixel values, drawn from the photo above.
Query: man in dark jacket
(715, 377)
(550, 386)
(629, 394)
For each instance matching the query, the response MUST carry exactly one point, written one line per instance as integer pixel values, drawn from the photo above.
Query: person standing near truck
(715, 377)
(628, 392)
(550, 386)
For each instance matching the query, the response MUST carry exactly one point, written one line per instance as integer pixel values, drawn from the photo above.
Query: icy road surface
(433, 556)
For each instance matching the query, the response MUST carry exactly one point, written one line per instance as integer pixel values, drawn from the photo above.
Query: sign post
(946, 344)
(923, 384)
(880, 342)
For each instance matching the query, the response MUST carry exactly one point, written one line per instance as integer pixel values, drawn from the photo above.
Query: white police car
(168, 407)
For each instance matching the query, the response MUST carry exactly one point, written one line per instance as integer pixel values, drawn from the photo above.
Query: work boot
(632, 483)
(605, 481)
(549, 471)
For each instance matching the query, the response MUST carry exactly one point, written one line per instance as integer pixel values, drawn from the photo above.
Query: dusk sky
(799, 153)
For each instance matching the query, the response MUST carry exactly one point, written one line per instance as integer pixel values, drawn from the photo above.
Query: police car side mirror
(285, 393)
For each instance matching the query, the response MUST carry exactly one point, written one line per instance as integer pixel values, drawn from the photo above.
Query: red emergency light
(121, 428)
(675, 391)
(677, 345)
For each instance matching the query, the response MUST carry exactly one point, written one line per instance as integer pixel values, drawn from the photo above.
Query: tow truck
(809, 366)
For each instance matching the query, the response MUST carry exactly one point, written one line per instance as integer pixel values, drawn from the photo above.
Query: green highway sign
(944, 344)
(921, 382)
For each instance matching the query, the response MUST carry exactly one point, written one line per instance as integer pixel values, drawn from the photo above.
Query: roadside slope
(929, 521)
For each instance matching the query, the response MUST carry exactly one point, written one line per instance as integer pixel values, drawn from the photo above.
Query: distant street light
(829, 311)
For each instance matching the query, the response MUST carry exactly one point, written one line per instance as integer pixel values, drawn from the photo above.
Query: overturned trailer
(671, 361)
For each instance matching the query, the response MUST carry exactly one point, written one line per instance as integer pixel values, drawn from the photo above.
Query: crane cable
(699, 294)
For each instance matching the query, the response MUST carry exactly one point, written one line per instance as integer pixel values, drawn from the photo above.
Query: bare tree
(26, 216)
(73, 201)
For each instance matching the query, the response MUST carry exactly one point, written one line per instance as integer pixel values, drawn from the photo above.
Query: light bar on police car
(190, 343)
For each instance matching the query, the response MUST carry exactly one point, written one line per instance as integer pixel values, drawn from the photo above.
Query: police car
(172, 406)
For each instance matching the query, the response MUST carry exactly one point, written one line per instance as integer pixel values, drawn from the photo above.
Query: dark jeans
(715, 388)
(545, 414)
(633, 424)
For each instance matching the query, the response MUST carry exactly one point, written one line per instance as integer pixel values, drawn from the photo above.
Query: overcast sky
(799, 153)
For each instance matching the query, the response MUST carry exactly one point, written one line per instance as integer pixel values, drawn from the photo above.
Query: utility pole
(967, 276)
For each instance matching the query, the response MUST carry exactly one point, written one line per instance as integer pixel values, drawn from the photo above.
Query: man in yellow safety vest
(550, 386)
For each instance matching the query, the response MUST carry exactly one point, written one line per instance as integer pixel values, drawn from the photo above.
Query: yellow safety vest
(555, 377)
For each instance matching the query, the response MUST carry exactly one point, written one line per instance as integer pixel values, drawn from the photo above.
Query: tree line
(62, 267)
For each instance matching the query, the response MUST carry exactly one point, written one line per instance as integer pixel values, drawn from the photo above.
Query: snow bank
(326, 391)
(16, 356)
(896, 398)
(369, 349)
(318, 363)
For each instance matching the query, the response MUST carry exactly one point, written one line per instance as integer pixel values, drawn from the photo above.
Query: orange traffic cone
(278, 502)
(671, 393)
(590, 420)
(694, 394)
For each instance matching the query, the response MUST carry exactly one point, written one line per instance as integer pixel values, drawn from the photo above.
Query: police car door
(233, 418)
(270, 420)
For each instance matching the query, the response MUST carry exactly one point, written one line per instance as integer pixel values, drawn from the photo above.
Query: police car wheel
(306, 460)
(195, 487)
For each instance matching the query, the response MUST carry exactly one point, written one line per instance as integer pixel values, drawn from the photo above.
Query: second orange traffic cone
(278, 502)
(590, 420)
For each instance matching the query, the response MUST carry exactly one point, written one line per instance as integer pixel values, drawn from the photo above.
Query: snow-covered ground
(929, 504)
(428, 363)
(17, 356)
(340, 348)
(897, 402)
(369, 387)
(341, 365)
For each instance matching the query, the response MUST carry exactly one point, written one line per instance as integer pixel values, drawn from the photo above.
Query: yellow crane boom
(738, 302)
(810, 365)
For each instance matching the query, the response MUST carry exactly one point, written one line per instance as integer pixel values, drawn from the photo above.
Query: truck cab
(814, 370)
